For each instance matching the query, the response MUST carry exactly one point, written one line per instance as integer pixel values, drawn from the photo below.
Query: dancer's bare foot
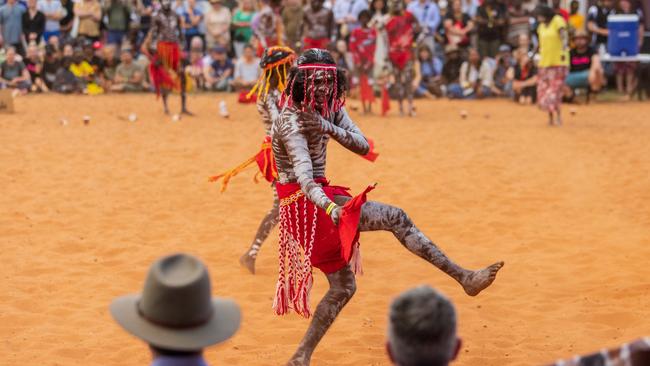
(187, 112)
(478, 281)
(248, 262)
(298, 360)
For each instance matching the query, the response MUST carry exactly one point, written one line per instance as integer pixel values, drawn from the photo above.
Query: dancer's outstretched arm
(343, 130)
(298, 150)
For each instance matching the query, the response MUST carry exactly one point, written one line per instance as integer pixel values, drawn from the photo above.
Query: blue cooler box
(623, 39)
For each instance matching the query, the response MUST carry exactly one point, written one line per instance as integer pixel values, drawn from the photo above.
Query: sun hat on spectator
(176, 310)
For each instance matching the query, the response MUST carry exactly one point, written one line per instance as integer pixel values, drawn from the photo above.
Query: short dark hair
(174, 353)
(422, 328)
(364, 13)
(545, 12)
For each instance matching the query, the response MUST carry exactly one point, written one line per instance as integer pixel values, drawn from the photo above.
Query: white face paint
(323, 86)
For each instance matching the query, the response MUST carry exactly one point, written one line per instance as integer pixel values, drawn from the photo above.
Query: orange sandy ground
(84, 210)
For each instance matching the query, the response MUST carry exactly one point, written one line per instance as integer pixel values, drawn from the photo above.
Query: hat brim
(223, 325)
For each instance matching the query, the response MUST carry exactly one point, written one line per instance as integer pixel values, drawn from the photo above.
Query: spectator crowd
(460, 49)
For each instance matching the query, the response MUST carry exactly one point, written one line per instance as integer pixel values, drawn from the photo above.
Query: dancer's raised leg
(379, 216)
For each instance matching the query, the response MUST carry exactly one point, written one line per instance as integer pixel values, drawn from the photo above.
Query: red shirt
(362, 46)
(400, 38)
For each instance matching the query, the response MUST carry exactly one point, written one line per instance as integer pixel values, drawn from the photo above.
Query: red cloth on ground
(245, 99)
(400, 38)
(321, 43)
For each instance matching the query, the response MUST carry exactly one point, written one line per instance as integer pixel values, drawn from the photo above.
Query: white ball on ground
(176, 118)
(86, 119)
(463, 114)
(64, 122)
(573, 111)
(133, 117)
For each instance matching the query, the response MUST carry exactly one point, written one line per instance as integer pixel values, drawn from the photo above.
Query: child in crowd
(51, 65)
(34, 65)
(362, 48)
(401, 29)
(524, 84)
(428, 74)
(218, 73)
(318, 23)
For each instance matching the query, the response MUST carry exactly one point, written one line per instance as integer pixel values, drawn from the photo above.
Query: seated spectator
(84, 73)
(524, 45)
(13, 73)
(503, 63)
(218, 73)
(524, 84)
(34, 65)
(342, 57)
(451, 72)
(129, 76)
(428, 71)
(585, 69)
(110, 62)
(51, 66)
(194, 69)
(458, 25)
(247, 70)
(422, 329)
(176, 313)
(476, 76)
(66, 82)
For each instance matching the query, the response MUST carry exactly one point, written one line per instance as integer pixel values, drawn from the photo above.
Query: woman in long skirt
(553, 63)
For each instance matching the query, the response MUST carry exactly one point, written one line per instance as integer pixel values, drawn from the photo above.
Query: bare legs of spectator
(378, 216)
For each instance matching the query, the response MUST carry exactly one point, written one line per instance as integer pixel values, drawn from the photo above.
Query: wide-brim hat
(176, 310)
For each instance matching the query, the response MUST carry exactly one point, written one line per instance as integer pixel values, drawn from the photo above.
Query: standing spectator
(217, 24)
(476, 76)
(519, 22)
(576, 20)
(380, 17)
(218, 73)
(247, 70)
(422, 329)
(451, 72)
(401, 30)
(428, 15)
(491, 20)
(193, 17)
(129, 76)
(585, 69)
(318, 22)
(458, 25)
(292, 19)
(118, 15)
(554, 60)
(267, 26)
(33, 23)
(597, 22)
(67, 21)
(555, 4)
(626, 79)
(362, 47)
(176, 314)
(54, 12)
(241, 23)
(51, 66)
(524, 84)
(145, 11)
(346, 15)
(89, 13)
(429, 70)
(13, 73)
(11, 24)
(470, 7)
(34, 65)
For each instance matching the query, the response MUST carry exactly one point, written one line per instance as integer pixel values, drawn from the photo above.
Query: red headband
(317, 66)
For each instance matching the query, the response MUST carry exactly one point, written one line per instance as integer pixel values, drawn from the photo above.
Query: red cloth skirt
(165, 66)
(321, 43)
(400, 59)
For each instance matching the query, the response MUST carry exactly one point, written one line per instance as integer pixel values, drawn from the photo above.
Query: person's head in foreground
(175, 313)
(422, 329)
